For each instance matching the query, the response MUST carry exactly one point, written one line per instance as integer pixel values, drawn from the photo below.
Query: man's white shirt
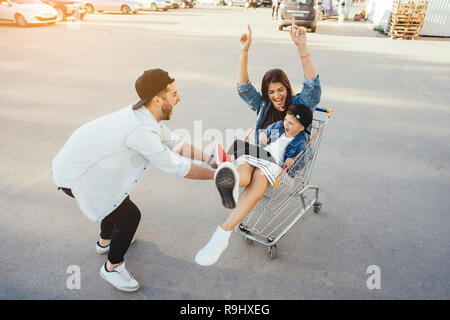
(104, 160)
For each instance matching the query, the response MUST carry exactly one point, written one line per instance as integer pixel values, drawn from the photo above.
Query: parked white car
(124, 6)
(27, 12)
(154, 5)
(160, 4)
(209, 2)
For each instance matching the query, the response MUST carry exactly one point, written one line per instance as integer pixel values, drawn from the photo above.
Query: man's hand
(191, 152)
(213, 163)
(246, 40)
(288, 163)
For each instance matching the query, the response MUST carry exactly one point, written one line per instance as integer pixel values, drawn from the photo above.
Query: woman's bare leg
(248, 199)
(254, 191)
(245, 171)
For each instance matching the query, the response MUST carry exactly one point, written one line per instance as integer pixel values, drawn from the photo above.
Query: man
(103, 161)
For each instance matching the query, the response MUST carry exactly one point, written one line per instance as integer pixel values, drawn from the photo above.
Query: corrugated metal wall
(437, 19)
(436, 23)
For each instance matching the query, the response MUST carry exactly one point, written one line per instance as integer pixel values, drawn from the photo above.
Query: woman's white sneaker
(210, 253)
(226, 178)
(120, 278)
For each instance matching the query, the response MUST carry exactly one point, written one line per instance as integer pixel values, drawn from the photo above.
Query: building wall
(437, 19)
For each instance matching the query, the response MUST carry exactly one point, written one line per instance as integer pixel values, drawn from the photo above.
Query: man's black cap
(149, 84)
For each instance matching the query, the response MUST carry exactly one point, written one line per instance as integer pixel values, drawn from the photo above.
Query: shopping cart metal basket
(289, 198)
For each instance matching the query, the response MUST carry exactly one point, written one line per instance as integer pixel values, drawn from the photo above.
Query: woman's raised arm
(298, 35)
(246, 40)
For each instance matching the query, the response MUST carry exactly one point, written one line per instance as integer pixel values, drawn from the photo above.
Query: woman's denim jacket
(309, 96)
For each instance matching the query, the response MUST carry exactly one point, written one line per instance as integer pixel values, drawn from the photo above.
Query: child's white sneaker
(226, 178)
(120, 278)
(100, 249)
(210, 253)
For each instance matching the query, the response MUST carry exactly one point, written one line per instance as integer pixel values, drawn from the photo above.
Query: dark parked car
(304, 13)
(67, 8)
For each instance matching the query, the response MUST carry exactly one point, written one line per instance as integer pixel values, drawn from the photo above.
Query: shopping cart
(289, 198)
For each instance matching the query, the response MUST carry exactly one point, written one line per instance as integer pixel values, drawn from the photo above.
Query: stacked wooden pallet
(406, 19)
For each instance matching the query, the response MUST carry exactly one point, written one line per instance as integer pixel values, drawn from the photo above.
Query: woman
(276, 91)
(285, 140)
(271, 106)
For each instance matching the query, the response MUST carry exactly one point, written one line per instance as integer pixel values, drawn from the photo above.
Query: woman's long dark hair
(276, 75)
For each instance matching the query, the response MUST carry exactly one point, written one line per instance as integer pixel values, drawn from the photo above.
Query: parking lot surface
(382, 168)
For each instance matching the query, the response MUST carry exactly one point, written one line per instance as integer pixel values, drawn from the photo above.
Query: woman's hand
(246, 40)
(298, 35)
(288, 163)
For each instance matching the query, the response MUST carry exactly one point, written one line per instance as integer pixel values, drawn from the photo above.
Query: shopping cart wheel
(273, 251)
(317, 207)
(243, 228)
(247, 240)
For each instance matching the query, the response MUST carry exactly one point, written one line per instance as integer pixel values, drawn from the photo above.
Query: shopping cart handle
(329, 111)
(277, 181)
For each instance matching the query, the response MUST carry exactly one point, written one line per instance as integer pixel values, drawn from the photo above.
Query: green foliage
(379, 29)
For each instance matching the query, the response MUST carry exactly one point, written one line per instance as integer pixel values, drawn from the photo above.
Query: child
(256, 167)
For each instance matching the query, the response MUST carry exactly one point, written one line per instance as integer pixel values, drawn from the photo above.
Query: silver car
(161, 4)
(154, 5)
(124, 6)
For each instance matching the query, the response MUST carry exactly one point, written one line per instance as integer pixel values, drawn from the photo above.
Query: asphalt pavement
(382, 169)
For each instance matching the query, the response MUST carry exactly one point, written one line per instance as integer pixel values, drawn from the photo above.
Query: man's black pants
(119, 226)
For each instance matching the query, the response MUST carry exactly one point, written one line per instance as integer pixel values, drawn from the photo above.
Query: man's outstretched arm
(191, 152)
(199, 173)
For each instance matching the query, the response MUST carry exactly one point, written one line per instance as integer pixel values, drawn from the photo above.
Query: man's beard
(166, 110)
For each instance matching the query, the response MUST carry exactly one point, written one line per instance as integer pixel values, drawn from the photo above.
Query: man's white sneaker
(120, 278)
(105, 249)
(101, 249)
(226, 178)
(210, 253)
